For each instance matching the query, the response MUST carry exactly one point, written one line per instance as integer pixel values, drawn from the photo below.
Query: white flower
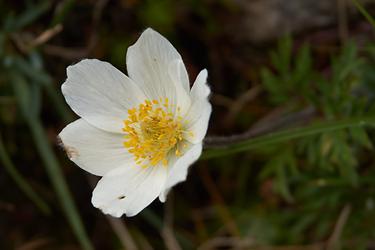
(142, 132)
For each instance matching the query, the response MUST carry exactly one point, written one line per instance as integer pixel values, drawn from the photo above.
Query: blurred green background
(274, 65)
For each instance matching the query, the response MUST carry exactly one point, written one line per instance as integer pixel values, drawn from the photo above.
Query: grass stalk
(50, 162)
(364, 12)
(21, 181)
(287, 135)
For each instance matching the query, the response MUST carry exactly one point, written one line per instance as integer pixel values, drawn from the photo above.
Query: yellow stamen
(152, 132)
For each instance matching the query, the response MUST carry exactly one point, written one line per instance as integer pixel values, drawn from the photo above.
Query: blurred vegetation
(299, 174)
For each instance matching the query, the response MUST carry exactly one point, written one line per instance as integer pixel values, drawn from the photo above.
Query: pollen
(153, 132)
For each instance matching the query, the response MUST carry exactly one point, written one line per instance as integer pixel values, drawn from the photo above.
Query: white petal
(178, 74)
(157, 68)
(100, 93)
(179, 170)
(92, 149)
(128, 190)
(200, 89)
(199, 113)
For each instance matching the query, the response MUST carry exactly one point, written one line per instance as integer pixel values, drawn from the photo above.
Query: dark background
(273, 65)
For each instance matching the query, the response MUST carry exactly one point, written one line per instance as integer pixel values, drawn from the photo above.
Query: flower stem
(286, 135)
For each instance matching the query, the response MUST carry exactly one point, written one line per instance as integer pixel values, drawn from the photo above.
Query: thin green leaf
(287, 135)
(360, 136)
(62, 11)
(30, 71)
(35, 99)
(30, 15)
(43, 78)
(281, 59)
(21, 181)
(51, 164)
(282, 183)
(303, 66)
(364, 12)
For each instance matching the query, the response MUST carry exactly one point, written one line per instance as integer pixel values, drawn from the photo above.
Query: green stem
(282, 136)
(364, 12)
(21, 182)
(50, 162)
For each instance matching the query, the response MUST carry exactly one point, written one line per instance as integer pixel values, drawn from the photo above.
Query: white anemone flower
(139, 132)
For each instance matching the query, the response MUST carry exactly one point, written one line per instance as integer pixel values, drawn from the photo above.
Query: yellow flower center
(152, 132)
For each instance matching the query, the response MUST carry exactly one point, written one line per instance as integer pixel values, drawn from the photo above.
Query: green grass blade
(44, 79)
(287, 135)
(364, 12)
(50, 162)
(63, 11)
(31, 14)
(20, 181)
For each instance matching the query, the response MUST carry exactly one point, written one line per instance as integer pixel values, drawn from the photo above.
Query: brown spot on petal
(121, 197)
(71, 152)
